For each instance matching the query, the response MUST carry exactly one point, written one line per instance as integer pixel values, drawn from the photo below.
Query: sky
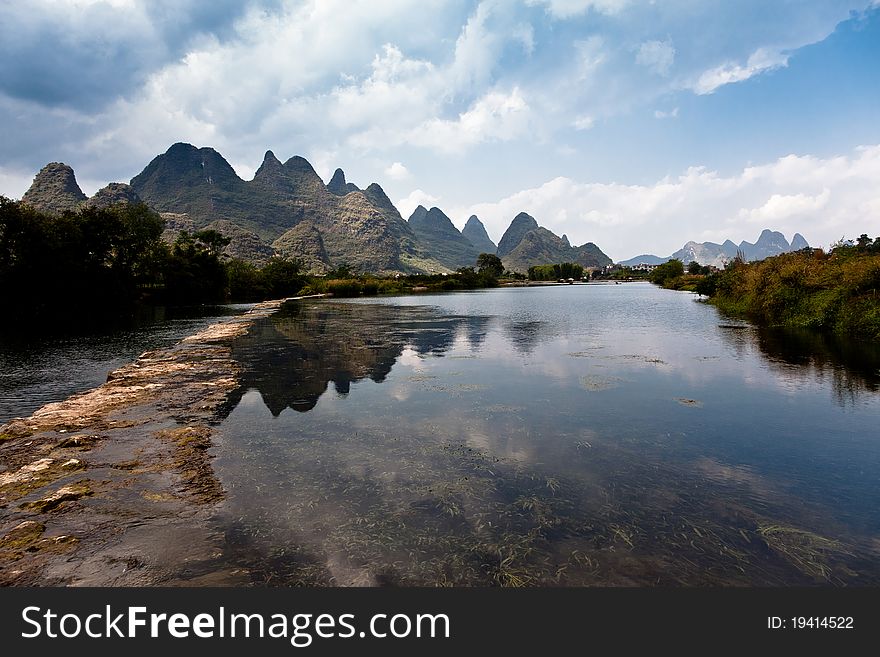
(634, 124)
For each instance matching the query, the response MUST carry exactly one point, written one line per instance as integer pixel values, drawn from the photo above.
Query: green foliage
(837, 292)
(344, 288)
(707, 285)
(193, 272)
(667, 271)
(555, 272)
(212, 240)
(83, 261)
(246, 282)
(283, 278)
(696, 269)
(490, 263)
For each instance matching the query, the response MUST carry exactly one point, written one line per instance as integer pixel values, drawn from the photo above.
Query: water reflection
(852, 366)
(466, 449)
(525, 335)
(292, 356)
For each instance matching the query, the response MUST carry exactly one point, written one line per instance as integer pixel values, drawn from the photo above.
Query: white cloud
(569, 8)
(820, 198)
(590, 55)
(14, 184)
(760, 61)
(657, 56)
(415, 198)
(669, 114)
(780, 207)
(397, 172)
(495, 116)
(584, 122)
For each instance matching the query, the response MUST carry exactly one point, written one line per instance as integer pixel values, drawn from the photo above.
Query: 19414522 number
(810, 623)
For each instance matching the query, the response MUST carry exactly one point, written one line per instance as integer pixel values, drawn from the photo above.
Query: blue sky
(637, 125)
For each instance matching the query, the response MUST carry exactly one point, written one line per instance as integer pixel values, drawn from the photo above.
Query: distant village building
(644, 266)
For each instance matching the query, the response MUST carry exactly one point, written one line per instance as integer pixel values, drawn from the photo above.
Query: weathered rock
(175, 223)
(338, 186)
(542, 247)
(113, 194)
(54, 190)
(475, 232)
(64, 494)
(521, 224)
(147, 431)
(303, 242)
(244, 244)
(441, 239)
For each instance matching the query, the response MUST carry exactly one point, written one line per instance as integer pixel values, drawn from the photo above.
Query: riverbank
(835, 292)
(104, 487)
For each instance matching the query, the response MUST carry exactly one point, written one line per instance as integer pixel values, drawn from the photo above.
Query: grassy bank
(837, 291)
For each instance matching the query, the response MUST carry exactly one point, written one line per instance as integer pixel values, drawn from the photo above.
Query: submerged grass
(447, 514)
(809, 552)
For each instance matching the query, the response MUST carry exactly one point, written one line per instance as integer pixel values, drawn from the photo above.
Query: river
(44, 368)
(573, 435)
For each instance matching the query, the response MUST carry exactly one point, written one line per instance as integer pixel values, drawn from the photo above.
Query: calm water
(575, 435)
(37, 370)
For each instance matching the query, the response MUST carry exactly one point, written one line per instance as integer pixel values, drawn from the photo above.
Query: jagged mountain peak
(271, 166)
(442, 240)
(54, 189)
(300, 165)
(114, 194)
(521, 224)
(181, 148)
(798, 242)
(269, 158)
(541, 246)
(337, 183)
(525, 218)
(418, 214)
(380, 199)
(475, 232)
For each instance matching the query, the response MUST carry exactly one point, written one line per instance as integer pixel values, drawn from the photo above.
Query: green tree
(283, 278)
(694, 268)
(667, 271)
(194, 273)
(212, 240)
(490, 263)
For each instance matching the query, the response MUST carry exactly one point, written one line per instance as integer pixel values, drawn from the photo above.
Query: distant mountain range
(770, 243)
(287, 211)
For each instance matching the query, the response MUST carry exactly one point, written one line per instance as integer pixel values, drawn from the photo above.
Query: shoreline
(113, 486)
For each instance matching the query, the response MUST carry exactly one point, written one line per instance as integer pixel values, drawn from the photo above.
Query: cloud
(584, 122)
(780, 207)
(570, 8)
(397, 172)
(15, 183)
(442, 86)
(496, 116)
(822, 198)
(760, 61)
(414, 199)
(669, 114)
(86, 53)
(657, 56)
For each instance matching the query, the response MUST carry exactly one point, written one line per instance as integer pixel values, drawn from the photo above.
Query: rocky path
(113, 486)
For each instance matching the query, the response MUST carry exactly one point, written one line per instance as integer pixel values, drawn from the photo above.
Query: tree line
(555, 272)
(96, 262)
(836, 291)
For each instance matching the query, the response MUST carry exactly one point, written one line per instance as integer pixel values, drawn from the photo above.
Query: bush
(837, 292)
(344, 288)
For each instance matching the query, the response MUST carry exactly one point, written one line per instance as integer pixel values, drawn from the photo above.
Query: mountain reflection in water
(561, 436)
(292, 356)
